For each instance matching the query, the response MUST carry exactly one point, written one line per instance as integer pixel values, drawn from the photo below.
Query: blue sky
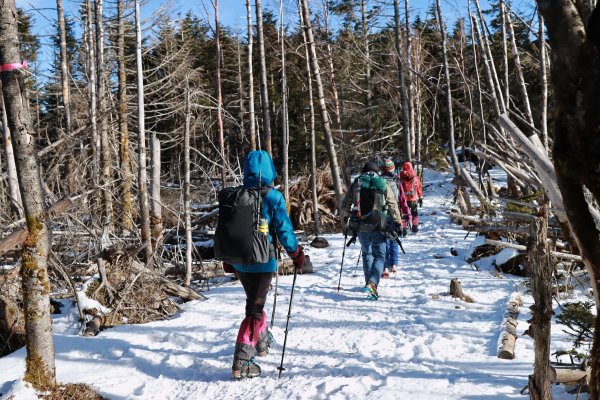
(232, 13)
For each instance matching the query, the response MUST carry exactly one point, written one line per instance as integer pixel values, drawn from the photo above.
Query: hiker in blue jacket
(253, 337)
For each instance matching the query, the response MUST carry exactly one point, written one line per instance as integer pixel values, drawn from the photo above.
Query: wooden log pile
(301, 204)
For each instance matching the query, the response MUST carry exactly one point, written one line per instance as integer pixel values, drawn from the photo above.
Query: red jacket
(411, 183)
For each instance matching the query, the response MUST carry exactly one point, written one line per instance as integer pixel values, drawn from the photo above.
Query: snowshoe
(415, 228)
(245, 369)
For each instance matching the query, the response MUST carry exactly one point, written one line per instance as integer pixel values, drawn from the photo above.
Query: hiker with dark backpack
(414, 192)
(251, 218)
(368, 208)
(388, 168)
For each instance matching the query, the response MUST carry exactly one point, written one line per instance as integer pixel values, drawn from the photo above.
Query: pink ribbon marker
(12, 67)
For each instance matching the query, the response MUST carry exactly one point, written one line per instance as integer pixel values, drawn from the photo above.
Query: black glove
(420, 202)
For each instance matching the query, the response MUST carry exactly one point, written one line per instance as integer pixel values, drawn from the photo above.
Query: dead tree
(404, 100)
(123, 116)
(11, 166)
(40, 364)
(142, 173)
(448, 89)
(540, 278)
(220, 97)
(335, 170)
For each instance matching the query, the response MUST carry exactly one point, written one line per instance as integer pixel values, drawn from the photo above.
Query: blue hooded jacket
(260, 171)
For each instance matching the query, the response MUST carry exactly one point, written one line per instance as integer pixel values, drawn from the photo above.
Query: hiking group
(253, 223)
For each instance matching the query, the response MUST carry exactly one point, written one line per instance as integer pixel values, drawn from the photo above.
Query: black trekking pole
(400, 244)
(354, 275)
(280, 368)
(343, 255)
(278, 254)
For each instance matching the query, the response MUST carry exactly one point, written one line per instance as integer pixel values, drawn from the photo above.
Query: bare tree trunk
(220, 98)
(125, 160)
(410, 80)
(505, 55)
(105, 179)
(490, 60)
(91, 64)
(336, 99)
(472, 22)
(284, 112)
(142, 167)
(406, 123)
(448, 90)
(64, 71)
(156, 224)
(186, 188)
(541, 275)
(241, 93)
(40, 364)
(251, 117)
(543, 82)
(313, 144)
(517, 60)
(264, 90)
(335, 171)
(367, 55)
(11, 168)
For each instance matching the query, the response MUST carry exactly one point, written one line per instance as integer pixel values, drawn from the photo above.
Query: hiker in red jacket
(413, 191)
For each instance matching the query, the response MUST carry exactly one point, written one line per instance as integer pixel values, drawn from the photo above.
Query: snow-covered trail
(416, 342)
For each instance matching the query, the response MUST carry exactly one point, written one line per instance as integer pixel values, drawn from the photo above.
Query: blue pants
(373, 254)
(391, 253)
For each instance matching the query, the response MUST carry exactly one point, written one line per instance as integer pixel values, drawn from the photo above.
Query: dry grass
(72, 391)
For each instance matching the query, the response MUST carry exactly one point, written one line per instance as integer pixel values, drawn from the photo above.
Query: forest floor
(416, 342)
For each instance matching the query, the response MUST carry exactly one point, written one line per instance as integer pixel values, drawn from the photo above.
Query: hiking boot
(262, 349)
(385, 274)
(404, 232)
(373, 295)
(415, 228)
(245, 369)
(393, 269)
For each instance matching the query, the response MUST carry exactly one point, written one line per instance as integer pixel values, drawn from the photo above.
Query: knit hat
(370, 167)
(387, 165)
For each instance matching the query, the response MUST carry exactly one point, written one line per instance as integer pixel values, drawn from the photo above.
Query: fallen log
(569, 375)
(508, 338)
(169, 286)
(468, 218)
(17, 237)
(564, 256)
(457, 292)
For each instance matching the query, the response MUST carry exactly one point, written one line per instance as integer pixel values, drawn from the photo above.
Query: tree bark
(284, 113)
(187, 202)
(124, 156)
(64, 71)
(540, 278)
(40, 364)
(105, 158)
(91, 71)
(142, 167)
(576, 80)
(543, 82)
(156, 223)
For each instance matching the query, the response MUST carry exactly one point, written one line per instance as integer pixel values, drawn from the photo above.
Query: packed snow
(416, 342)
